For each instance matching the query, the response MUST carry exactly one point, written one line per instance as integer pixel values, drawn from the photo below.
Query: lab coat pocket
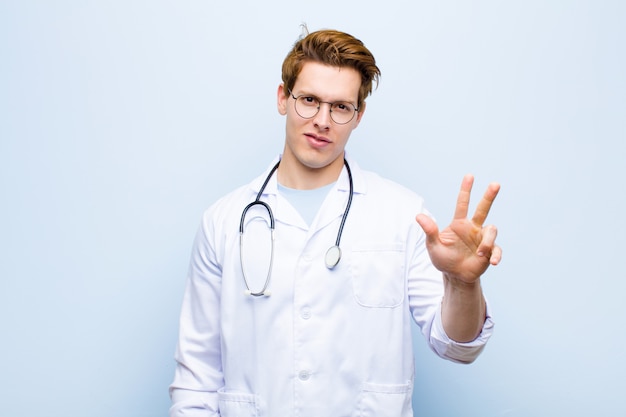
(385, 400)
(238, 404)
(378, 275)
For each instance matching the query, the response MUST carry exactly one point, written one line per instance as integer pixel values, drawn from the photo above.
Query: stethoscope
(333, 254)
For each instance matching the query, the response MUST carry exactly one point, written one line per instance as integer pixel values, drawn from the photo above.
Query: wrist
(453, 281)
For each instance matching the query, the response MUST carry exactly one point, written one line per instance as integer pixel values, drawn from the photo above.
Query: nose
(322, 119)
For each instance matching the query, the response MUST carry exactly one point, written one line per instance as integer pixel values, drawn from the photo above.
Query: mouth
(317, 140)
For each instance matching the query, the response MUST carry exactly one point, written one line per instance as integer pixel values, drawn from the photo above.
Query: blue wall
(120, 121)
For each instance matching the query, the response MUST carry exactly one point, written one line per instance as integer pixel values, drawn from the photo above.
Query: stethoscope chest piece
(333, 255)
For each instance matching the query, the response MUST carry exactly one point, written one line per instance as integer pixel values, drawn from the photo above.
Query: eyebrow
(319, 99)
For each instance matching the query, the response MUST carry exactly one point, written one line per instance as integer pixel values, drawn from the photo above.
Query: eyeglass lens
(341, 112)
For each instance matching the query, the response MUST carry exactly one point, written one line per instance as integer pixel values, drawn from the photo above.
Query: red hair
(334, 48)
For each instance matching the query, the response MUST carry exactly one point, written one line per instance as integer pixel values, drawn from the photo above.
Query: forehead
(328, 82)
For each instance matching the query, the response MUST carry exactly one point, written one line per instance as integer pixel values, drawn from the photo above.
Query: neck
(301, 177)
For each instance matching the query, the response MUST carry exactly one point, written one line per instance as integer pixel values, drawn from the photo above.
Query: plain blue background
(121, 121)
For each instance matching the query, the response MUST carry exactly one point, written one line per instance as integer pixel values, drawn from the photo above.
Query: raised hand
(466, 248)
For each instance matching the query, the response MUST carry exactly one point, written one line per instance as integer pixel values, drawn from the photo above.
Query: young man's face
(318, 143)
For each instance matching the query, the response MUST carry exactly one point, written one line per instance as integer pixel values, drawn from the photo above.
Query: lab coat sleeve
(425, 288)
(198, 374)
(455, 351)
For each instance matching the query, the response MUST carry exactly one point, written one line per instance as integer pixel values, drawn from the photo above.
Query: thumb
(429, 227)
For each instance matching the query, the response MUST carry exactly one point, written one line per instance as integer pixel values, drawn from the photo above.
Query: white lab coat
(326, 342)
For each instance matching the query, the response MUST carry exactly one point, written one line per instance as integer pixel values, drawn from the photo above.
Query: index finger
(484, 205)
(462, 202)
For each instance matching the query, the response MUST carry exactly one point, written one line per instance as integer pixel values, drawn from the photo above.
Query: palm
(465, 248)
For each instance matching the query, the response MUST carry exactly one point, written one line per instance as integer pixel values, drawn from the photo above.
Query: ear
(281, 100)
(359, 115)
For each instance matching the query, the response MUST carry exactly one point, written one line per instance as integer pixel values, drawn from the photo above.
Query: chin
(319, 163)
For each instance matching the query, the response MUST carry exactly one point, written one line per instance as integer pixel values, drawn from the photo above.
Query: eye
(342, 107)
(309, 101)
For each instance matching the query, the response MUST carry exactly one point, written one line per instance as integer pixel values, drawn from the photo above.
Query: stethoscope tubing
(348, 204)
(333, 255)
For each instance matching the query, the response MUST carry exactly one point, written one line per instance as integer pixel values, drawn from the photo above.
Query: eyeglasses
(307, 107)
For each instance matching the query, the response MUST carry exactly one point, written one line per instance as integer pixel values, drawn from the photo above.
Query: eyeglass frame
(320, 102)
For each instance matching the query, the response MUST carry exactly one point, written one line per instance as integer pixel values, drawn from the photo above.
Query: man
(334, 337)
